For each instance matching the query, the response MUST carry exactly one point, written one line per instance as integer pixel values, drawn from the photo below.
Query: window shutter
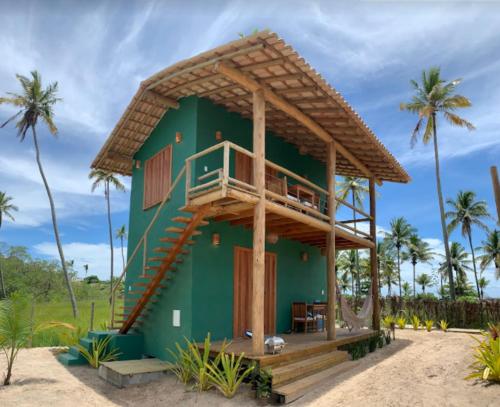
(157, 177)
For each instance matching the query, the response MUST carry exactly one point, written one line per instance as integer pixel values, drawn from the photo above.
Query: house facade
(233, 156)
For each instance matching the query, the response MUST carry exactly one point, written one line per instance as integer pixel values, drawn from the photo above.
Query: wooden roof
(266, 60)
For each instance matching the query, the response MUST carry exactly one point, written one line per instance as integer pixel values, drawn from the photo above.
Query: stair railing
(143, 242)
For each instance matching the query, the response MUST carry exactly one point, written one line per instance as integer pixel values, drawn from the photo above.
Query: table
(304, 195)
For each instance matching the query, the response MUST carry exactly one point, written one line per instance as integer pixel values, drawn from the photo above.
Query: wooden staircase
(158, 269)
(295, 376)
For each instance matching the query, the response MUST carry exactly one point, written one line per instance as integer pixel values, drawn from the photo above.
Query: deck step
(174, 240)
(183, 219)
(306, 367)
(289, 392)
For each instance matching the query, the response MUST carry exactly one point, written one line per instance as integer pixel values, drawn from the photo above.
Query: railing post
(331, 277)
(188, 179)
(373, 257)
(225, 168)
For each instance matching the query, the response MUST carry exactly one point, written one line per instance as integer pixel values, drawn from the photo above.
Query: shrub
(388, 322)
(229, 374)
(494, 330)
(182, 365)
(486, 365)
(388, 337)
(100, 352)
(401, 321)
(372, 343)
(429, 323)
(262, 382)
(381, 340)
(415, 321)
(443, 325)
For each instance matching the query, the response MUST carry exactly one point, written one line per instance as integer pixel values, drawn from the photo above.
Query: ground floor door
(242, 310)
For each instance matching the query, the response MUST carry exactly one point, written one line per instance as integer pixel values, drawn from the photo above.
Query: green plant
(228, 374)
(429, 323)
(200, 362)
(100, 352)
(262, 382)
(401, 321)
(494, 330)
(486, 365)
(443, 325)
(381, 339)
(388, 322)
(387, 337)
(372, 344)
(415, 321)
(182, 367)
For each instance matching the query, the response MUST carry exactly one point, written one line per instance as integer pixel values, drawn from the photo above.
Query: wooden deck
(299, 345)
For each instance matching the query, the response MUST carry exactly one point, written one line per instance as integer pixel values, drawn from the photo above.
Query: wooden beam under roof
(163, 100)
(252, 85)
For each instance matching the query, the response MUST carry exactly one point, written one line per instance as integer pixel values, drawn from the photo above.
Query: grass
(61, 312)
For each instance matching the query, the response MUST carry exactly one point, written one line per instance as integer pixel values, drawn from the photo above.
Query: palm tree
(6, 209)
(460, 264)
(491, 252)
(347, 262)
(106, 179)
(434, 95)
(417, 251)
(466, 211)
(424, 280)
(121, 233)
(398, 237)
(388, 274)
(37, 103)
(406, 289)
(483, 283)
(357, 188)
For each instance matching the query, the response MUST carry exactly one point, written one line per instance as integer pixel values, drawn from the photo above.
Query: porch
(299, 346)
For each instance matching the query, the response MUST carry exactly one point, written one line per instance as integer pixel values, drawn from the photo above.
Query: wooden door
(242, 305)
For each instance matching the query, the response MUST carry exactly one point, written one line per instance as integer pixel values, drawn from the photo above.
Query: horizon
(371, 67)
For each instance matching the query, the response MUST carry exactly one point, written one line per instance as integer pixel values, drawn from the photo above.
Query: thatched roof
(268, 60)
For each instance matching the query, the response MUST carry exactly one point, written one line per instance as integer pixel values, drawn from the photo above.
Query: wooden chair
(300, 317)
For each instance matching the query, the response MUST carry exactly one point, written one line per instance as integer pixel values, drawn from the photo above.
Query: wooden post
(331, 279)
(259, 223)
(373, 258)
(496, 190)
(92, 309)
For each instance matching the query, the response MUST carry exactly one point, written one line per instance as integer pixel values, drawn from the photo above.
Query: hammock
(359, 320)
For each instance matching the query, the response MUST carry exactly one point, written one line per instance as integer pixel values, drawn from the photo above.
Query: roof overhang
(302, 107)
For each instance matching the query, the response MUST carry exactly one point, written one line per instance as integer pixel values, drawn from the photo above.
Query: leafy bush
(387, 337)
(381, 339)
(415, 321)
(262, 382)
(182, 366)
(372, 343)
(401, 321)
(429, 323)
(100, 352)
(388, 322)
(443, 325)
(494, 330)
(486, 365)
(229, 374)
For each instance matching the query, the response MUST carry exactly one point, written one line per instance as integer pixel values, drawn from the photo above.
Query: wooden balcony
(296, 208)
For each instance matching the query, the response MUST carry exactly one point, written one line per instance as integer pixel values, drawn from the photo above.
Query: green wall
(202, 289)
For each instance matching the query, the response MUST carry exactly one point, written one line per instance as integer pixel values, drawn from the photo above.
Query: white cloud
(96, 255)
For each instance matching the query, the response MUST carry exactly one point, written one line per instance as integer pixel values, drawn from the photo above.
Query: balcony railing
(223, 166)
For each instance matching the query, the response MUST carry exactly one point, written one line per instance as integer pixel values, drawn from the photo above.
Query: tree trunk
(2, 292)
(123, 255)
(441, 210)
(55, 227)
(399, 270)
(414, 280)
(110, 227)
(474, 265)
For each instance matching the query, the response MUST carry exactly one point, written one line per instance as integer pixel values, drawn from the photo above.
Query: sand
(418, 369)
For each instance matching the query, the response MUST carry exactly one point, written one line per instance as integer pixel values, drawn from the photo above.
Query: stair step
(174, 240)
(182, 219)
(166, 276)
(292, 391)
(307, 366)
(175, 229)
(167, 250)
(71, 360)
(141, 284)
(139, 292)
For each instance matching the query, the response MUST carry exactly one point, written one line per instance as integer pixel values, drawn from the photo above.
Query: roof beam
(252, 85)
(163, 100)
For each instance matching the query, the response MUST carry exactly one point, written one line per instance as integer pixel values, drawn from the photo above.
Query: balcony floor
(235, 205)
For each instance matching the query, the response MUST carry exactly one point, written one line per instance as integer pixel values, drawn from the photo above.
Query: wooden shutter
(157, 177)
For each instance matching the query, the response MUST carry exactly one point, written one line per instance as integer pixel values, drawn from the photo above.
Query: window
(157, 177)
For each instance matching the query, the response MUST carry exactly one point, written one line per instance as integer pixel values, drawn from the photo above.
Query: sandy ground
(418, 369)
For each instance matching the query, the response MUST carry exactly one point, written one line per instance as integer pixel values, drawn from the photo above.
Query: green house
(233, 156)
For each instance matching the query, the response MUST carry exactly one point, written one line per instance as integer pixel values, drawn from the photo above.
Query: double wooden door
(242, 307)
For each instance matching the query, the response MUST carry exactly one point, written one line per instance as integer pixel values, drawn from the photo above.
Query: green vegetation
(486, 364)
(224, 371)
(417, 251)
(261, 381)
(100, 352)
(36, 105)
(388, 322)
(443, 325)
(402, 321)
(6, 209)
(415, 321)
(429, 323)
(432, 96)
(424, 280)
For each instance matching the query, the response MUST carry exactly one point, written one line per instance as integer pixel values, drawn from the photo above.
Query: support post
(259, 223)
(496, 190)
(331, 277)
(373, 258)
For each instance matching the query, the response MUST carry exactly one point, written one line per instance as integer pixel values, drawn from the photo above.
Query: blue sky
(368, 50)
